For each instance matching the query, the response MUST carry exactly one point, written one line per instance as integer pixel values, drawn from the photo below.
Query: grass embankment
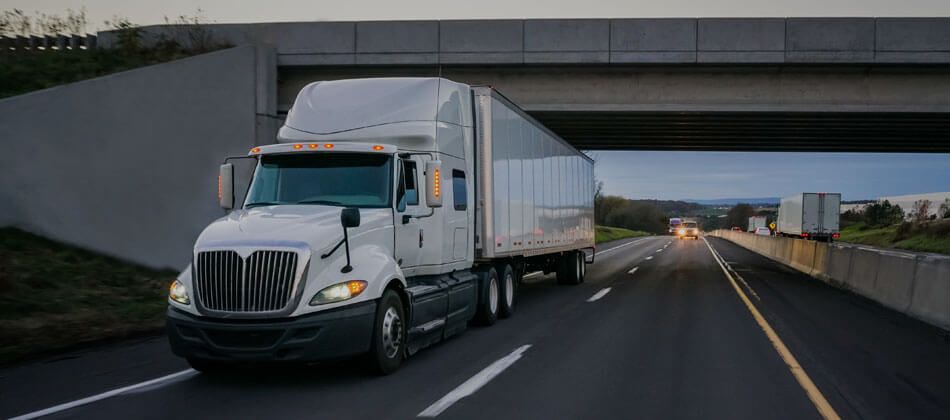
(604, 234)
(57, 297)
(923, 237)
(26, 71)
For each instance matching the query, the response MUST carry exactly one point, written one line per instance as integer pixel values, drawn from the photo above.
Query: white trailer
(756, 222)
(810, 215)
(389, 214)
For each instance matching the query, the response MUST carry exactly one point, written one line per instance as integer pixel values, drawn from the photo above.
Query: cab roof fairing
(330, 107)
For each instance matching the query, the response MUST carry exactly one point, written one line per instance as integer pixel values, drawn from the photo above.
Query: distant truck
(810, 215)
(756, 222)
(675, 225)
(389, 213)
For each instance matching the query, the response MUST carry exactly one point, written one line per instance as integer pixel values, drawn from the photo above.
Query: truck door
(409, 235)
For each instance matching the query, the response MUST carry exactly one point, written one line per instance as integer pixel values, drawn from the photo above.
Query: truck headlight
(339, 292)
(682, 231)
(178, 292)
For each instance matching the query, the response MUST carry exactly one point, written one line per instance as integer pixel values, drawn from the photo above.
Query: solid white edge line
(633, 270)
(650, 257)
(474, 383)
(533, 274)
(599, 294)
(102, 396)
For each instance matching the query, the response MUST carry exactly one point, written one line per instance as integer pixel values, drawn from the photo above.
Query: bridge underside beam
(753, 131)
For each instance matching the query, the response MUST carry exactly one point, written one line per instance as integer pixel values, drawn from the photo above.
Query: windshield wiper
(262, 203)
(327, 202)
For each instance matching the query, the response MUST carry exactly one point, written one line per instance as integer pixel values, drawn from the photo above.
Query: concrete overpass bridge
(762, 84)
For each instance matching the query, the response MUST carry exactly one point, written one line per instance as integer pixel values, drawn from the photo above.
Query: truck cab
(289, 256)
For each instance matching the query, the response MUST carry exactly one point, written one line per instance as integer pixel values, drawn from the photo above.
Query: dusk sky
(710, 175)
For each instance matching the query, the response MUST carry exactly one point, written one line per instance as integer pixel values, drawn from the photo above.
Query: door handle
(405, 218)
(420, 237)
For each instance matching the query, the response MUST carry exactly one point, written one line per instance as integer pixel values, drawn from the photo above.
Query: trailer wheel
(488, 301)
(389, 334)
(568, 268)
(581, 262)
(508, 288)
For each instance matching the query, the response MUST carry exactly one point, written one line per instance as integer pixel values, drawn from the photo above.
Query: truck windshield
(335, 179)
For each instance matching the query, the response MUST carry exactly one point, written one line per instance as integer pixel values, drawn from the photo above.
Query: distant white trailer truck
(390, 213)
(810, 216)
(756, 222)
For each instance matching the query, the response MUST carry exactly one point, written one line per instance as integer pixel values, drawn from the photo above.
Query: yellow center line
(824, 408)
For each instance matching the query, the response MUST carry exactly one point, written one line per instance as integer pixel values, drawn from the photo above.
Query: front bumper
(325, 335)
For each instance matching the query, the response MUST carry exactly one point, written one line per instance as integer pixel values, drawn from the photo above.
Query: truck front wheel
(389, 334)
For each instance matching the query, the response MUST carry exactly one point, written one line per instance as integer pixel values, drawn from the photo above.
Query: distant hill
(734, 201)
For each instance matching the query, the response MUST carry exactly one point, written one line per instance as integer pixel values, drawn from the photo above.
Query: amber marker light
(255, 150)
(328, 145)
(313, 145)
(298, 146)
(435, 188)
(377, 147)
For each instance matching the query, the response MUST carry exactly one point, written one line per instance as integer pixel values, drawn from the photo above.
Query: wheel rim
(509, 290)
(392, 332)
(493, 295)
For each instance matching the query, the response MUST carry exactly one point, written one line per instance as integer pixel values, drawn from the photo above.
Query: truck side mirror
(226, 186)
(433, 183)
(350, 217)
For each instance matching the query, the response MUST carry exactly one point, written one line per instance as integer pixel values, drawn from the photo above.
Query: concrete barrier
(803, 255)
(863, 271)
(930, 300)
(837, 264)
(916, 284)
(895, 279)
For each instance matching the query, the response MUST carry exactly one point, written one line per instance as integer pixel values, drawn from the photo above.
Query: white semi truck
(389, 214)
(813, 216)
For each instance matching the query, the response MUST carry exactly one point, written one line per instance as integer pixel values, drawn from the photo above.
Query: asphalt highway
(662, 328)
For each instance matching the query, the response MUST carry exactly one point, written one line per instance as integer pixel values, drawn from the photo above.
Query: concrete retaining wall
(916, 284)
(127, 164)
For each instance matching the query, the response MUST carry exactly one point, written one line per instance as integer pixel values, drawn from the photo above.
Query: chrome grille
(262, 282)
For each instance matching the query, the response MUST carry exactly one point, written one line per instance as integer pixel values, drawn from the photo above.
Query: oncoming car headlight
(339, 292)
(178, 292)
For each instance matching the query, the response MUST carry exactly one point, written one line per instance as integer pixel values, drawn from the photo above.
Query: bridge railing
(50, 43)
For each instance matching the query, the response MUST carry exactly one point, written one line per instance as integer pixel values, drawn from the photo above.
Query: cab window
(407, 192)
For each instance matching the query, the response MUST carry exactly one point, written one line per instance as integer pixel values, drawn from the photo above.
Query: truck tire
(509, 287)
(568, 268)
(389, 334)
(581, 261)
(489, 300)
